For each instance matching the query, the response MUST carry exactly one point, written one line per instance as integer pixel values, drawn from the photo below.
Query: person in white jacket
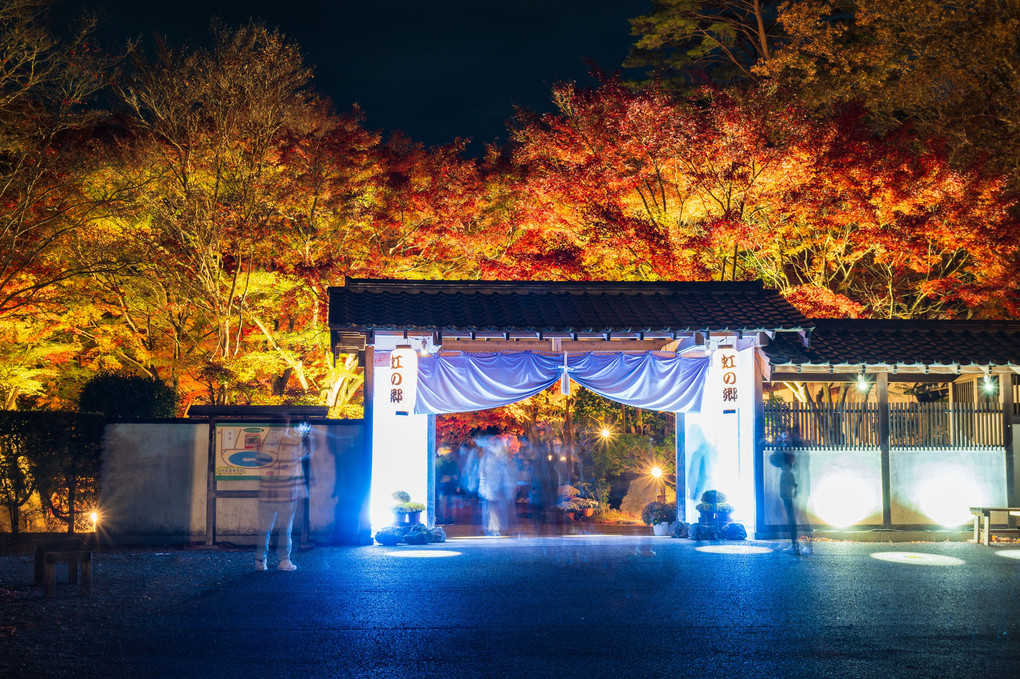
(282, 486)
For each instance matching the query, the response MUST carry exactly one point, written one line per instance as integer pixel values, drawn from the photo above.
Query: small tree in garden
(17, 478)
(58, 454)
(70, 485)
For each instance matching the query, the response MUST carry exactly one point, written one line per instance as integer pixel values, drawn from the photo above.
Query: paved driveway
(542, 607)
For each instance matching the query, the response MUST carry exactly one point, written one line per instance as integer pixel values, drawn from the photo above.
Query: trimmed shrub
(126, 396)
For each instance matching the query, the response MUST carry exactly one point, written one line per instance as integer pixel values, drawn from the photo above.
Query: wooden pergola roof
(529, 309)
(912, 346)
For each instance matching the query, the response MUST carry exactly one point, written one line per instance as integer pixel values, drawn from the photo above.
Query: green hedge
(58, 454)
(125, 396)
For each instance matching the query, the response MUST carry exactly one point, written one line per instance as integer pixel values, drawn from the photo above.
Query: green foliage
(124, 396)
(409, 507)
(692, 41)
(657, 512)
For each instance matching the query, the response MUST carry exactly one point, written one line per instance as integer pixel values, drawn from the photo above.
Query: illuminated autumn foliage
(190, 233)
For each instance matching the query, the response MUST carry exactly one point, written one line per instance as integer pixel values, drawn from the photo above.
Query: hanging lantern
(403, 380)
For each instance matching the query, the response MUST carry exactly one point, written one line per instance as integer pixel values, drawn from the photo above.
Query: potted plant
(658, 515)
(586, 505)
(713, 508)
(715, 520)
(405, 512)
(570, 508)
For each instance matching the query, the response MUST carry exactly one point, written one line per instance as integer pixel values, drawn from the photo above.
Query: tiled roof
(577, 307)
(891, 342)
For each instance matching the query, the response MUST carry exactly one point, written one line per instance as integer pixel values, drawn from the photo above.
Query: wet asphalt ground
(535, 607)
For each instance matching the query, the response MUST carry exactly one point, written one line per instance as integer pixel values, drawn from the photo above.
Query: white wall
(934, 488)
(154, 479)
(940, 486)
(834, 488)
(155, 475)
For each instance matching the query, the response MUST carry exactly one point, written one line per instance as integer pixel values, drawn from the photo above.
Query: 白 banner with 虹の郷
(403, 380)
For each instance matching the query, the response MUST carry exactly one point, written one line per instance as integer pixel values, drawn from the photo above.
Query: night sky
(435, 69)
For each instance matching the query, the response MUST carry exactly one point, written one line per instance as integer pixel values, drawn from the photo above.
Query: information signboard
(246, 450)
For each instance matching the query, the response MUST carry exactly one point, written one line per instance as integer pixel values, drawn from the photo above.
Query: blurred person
(497, 486)
(447, 483)
(281, 487)
(469, 457)
(787, 492)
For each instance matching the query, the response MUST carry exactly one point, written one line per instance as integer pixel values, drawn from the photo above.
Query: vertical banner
(726, 374)
(719, 439)
(403, 380)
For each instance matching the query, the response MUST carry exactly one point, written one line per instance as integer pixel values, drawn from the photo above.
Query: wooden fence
(911, 425)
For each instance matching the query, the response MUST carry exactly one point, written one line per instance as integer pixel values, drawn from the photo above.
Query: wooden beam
(547, 346)
(882, 387)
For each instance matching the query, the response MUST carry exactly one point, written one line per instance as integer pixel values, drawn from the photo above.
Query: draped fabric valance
(451, 384)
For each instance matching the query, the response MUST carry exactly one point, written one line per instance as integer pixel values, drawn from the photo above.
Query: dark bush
(58, 454)
(125, 396)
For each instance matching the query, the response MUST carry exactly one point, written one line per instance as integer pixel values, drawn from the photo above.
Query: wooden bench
(77, 555)
(982, 521)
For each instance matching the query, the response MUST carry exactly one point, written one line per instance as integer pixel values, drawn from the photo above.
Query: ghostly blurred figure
(469, 458)
(497, 486)
(447, 482)
(281, 487)
(784, 459)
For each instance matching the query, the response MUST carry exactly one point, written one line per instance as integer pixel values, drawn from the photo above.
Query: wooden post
(368, 389)
(210, 496)
(681, 468)
(306, 467)
(430, 492)
(1006, 390)
(760, 529)
(882, 383)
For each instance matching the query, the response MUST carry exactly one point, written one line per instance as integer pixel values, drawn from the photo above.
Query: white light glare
(842, 500)
(424, 553)
(734, 549)
(988, 385)
(1009, 553)
(656, 472)
(862, 383)
(918, 558)
(605, 433)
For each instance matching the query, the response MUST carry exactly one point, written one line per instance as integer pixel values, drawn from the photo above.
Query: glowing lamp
(94, 517)
(862, 383)
(403, 380)
(988, 385)
(656, 472)
(605, 433)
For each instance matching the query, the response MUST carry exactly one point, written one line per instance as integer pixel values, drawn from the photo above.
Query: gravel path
(131, 587)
